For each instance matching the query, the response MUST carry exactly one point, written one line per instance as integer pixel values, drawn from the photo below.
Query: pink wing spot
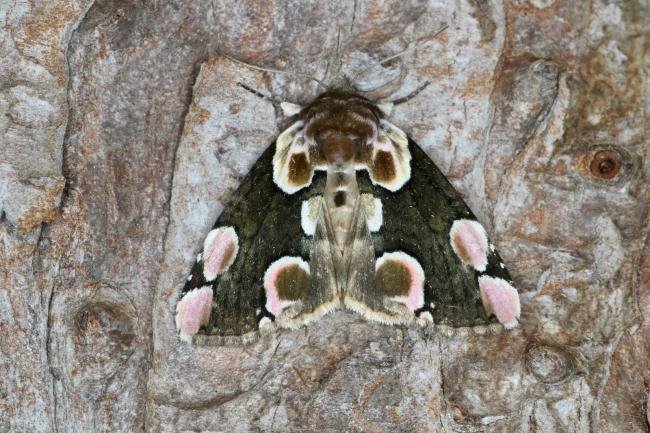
(469, 242)
(193, 311)
(501, 299)
(415, 297)
(274, 304)
(219, 251)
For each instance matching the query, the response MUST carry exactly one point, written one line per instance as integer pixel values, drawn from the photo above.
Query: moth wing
(256, 242)
(431, 236)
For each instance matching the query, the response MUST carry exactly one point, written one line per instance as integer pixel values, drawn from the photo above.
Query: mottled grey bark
(124, 130)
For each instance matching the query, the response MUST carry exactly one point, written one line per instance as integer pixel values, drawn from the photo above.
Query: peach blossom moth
(344, 211)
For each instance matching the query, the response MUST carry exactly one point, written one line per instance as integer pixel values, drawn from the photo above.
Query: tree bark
(125, 130)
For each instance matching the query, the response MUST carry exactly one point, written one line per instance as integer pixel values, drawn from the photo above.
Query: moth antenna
(386, 107)
(288, 108)
(259, 94)
(411, 95)
(275, 71)
(256, 92)
(400, 54)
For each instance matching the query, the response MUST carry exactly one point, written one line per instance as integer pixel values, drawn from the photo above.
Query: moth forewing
(344, 211)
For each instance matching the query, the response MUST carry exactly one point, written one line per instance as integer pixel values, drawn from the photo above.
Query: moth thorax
(337, 148)
(341, 194)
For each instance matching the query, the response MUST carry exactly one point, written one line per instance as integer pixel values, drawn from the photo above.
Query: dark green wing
(267, 227)
(417, 220)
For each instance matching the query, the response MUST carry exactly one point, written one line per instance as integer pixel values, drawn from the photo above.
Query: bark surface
(124, 130)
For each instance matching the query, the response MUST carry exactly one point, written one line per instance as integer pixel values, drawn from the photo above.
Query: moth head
(341, 126)
(341, 129)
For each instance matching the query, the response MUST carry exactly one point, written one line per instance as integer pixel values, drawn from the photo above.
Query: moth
(344, 211)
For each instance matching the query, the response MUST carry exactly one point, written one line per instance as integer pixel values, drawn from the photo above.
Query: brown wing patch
(228, 255)
(393, 279)
(383, 167)
(299, 169)
(286, 281)
(292, 283)
(459, 247)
